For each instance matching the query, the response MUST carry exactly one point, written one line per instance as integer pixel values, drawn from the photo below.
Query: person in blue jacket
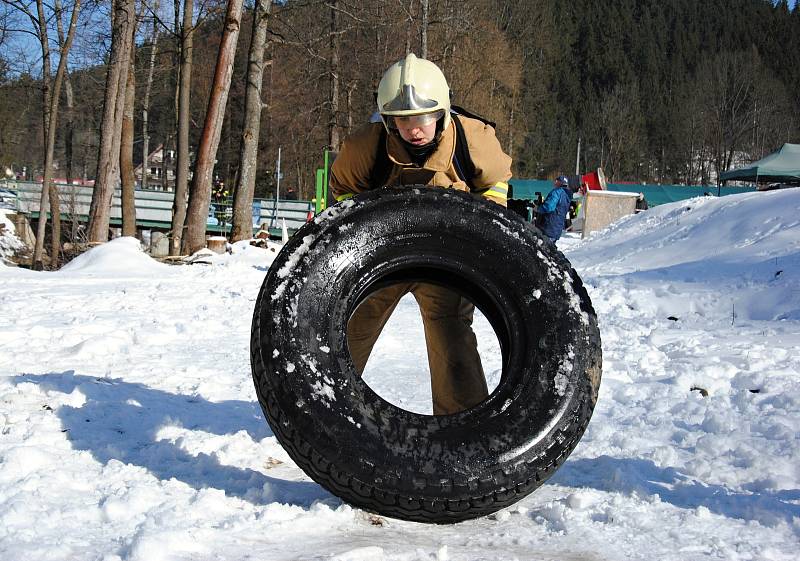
(552, 214)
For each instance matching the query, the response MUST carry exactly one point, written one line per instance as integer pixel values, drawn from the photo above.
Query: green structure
(782, 166)
(322, 182)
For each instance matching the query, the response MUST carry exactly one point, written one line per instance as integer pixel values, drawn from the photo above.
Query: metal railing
(154, 208)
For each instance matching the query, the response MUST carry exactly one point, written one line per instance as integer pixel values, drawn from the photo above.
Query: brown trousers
(457, 380)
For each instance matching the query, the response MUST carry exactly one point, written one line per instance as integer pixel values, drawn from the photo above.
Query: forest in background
(661, 92)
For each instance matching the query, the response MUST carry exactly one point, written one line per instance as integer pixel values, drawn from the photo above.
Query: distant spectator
(291, 194)
(523, 207)
(574, 210)
(220, 193)
(552, 214)
(575, 183)
(641, 203)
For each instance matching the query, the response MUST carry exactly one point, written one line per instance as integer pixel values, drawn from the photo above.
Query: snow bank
(705, 238)
(9, 242)
(242, 254)
(742, 252)
(118, 256)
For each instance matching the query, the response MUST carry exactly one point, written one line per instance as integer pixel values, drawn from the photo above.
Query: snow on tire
(373, 454)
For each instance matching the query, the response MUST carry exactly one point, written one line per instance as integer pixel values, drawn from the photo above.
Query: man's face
(418, 130)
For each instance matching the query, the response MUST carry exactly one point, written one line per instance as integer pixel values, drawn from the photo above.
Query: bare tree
(122, 26)
(253, 106)
(622, 128)
(728, 81)
(49, 192)
(182, 140)
(51, 89)
(200, 192)
(69, 136)
(146, 102)
(690, 132)
(774, 117)
(4, 24)
(69, 100)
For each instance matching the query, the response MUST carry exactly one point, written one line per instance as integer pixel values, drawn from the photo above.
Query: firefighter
(414, 141)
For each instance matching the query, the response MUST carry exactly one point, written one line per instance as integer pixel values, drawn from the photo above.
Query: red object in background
(63, 181)
(595, 180)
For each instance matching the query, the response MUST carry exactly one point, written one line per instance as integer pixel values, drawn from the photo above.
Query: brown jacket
(351, 170)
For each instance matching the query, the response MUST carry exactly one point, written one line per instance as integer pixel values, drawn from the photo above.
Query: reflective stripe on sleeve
(498, 191)
(343, 196)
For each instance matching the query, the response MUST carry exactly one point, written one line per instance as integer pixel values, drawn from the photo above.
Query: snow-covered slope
(745, 248)
(129, 427)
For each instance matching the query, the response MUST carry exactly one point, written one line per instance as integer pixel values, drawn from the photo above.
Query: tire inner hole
(399, 367)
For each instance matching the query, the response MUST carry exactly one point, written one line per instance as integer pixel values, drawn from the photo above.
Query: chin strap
(420, 153)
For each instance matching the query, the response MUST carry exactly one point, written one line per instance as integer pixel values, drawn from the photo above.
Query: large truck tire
(385, 459)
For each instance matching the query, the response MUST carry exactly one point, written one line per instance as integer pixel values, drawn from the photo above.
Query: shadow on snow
(643, 477)
(120, 421)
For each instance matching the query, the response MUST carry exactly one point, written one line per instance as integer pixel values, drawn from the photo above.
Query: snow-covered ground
(129, 427)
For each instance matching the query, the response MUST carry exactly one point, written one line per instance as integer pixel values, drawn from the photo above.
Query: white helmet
(414, 86)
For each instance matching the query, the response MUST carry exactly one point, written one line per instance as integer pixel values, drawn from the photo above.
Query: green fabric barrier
(655, 194)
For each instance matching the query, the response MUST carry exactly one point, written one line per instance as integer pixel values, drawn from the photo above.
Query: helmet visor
(413, 121)
(409, 100)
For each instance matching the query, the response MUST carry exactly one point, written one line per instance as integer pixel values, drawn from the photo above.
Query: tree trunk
(44, 202)
(126, 154)
(423, 48)
(182, 141)
(51, 94)
(55, 203)
(69, 151)
(248, 154)
(200, 193)
(69, 113)
(333, 123)
(108, 155)
(510, 146)
(146, 103)
(69, 129)
(409, 25)
(51, 116)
